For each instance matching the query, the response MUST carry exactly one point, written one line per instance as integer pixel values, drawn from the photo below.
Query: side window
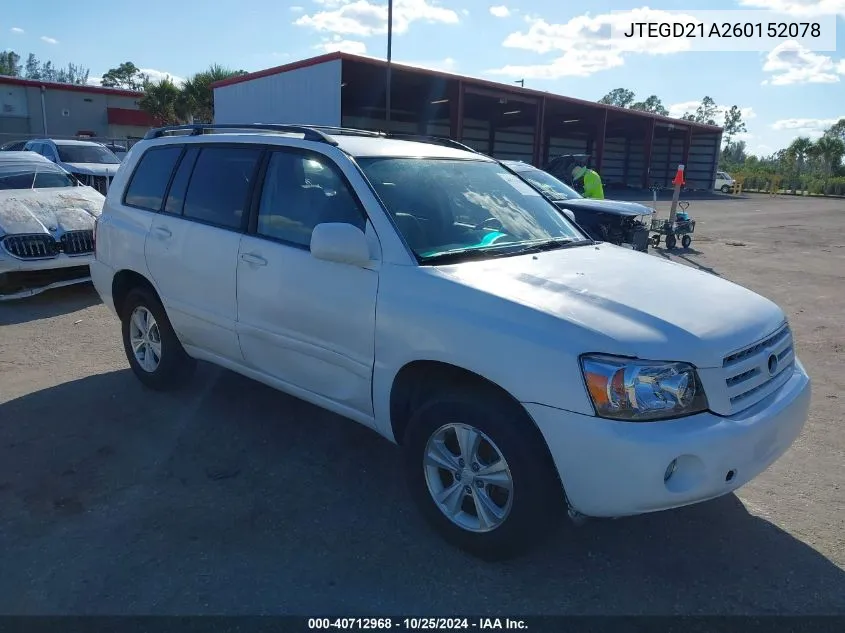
(149, 182)
(220, 185)
(176, 196)
(301, 191)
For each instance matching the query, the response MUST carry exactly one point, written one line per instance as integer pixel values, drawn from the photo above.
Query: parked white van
(430, 294)
(724, 182)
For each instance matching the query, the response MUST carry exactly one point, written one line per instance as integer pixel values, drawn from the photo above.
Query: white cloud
(792, 63)
(17, 29)
(807, 8)
(297, 9)
(465, 11)
(49, 40)
(585, 45)
(500, 11)
(677, 110)
(805, 127)
(445, 65)
(152, 73)
(361, 18)
(346, 46)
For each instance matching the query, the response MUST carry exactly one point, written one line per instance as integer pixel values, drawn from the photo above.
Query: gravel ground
(231, 498)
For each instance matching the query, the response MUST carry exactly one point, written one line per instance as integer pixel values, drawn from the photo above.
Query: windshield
(20, 175)
(548, 184)
(86, 154)
(460, 206)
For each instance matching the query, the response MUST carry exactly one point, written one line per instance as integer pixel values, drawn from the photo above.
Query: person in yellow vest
(592, 182)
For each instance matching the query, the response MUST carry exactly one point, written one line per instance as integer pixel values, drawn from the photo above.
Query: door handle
(163, 232)
(252, 258)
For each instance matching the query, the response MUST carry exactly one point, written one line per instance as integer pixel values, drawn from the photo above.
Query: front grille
(78, 242)
(758, 370)
(100, 183)
(31, 246)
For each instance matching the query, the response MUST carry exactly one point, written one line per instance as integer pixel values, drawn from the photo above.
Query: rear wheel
(154, 352)
(480, 475)
(670, 242)
(686, 240)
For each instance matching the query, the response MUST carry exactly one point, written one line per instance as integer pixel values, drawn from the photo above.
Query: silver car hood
(90, 169)
(51, 211)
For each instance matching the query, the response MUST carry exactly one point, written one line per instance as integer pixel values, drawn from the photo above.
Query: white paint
(304, 95)
(337, 334)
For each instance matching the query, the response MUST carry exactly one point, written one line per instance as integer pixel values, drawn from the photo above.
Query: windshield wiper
(501, 250)
(549, 245)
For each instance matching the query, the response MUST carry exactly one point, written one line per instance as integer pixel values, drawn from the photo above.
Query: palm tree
(197, 94)
(830, 150)
(163, 101)
(799, 151)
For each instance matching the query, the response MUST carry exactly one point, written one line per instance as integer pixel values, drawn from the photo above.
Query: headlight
(639, 390)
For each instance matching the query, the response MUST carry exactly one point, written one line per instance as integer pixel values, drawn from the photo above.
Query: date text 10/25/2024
(417, 624)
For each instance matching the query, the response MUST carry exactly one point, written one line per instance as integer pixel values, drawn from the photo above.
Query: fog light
(670, 470)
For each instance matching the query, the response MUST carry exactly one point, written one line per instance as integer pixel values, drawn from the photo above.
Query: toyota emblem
(773, 364)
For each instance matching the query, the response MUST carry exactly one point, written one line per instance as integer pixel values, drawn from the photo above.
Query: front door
(306, 322)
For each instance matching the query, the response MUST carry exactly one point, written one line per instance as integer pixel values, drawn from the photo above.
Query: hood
(616, 207)
(618, 301)
(91, 169)
(51, 211)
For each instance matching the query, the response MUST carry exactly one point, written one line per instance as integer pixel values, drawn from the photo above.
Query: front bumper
(25, 278)
(611, 469)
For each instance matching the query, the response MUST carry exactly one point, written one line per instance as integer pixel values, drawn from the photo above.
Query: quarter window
(220, 185)
(150, 179)
(176, 196)
(302, 190)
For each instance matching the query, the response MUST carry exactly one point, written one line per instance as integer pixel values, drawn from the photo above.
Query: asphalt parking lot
(231, 498)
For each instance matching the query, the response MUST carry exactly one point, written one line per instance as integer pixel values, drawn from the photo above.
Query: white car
(46, 226)
(92, 163)
(431, 295)
(724, 182)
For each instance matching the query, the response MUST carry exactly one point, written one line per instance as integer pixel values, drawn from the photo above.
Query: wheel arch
(123, 283)
(420, 379)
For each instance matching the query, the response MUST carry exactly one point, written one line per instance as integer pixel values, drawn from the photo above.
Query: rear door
(192, 247)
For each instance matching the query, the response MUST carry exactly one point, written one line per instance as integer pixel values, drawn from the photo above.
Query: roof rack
(345, 130)
(310, 133)
(436, 140)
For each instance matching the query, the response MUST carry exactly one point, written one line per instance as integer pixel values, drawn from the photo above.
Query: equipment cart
(683, 228)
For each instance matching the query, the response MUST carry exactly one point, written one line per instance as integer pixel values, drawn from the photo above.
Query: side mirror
(569, 214)
(341, 243)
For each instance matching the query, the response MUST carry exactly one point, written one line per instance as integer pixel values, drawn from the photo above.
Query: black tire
(537, 496)
(726, 188)
(655, 240)
(670, 242)
(686, 240)
(175, 368)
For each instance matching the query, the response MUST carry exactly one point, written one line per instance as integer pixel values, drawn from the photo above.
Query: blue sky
(785, 92)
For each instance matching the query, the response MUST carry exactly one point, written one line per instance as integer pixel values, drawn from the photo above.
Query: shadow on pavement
(684, 254)
(50, 303)
(232, 498)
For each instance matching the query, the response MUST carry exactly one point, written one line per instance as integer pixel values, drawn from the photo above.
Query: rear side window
(220, 185)
(149, 182)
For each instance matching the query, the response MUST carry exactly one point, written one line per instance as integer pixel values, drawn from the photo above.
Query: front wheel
(670, 242)
(726, 188)
(481, 476)
(686, 240)
(154, 352)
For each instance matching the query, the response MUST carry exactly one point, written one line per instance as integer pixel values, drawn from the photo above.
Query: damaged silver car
(46, 226)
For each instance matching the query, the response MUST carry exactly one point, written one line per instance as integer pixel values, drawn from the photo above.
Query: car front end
(613, 464)
(657, 404)
(46, 239)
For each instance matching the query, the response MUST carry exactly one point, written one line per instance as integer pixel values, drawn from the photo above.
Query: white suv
(430, 294)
